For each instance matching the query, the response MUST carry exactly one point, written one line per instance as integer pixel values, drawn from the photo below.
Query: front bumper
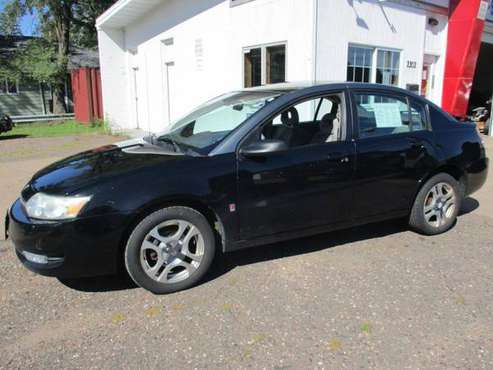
(77, 248)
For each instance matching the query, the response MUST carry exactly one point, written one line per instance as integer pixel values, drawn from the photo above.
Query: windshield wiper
(168, 140)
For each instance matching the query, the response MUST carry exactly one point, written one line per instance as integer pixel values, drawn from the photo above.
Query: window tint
(380, 115)
(324, 108)
(313, 121)
(418, 116)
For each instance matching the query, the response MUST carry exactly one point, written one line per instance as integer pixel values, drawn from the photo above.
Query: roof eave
(106, 17)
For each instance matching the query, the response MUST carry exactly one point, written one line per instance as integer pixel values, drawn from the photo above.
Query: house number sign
(411, 64)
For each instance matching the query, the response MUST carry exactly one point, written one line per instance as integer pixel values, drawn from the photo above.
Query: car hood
(97, 166)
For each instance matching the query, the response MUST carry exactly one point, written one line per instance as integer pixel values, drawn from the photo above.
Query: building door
(428, 89)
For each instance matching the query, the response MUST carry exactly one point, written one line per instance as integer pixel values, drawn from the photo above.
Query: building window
(253, 67)
(388, 67)
(276, 64)
(362, 67)
(264, 65)
(9, 87)
(360, 62)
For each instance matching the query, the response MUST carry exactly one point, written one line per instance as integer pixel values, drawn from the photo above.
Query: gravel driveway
(377, 296)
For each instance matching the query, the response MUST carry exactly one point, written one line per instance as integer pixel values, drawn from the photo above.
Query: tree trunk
(63, 19)
(59, 106)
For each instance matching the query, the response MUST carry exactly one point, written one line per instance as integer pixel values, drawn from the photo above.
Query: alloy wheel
(439, 205)
(172, 251)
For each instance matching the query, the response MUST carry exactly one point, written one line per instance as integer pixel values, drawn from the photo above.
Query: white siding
(208, 39)
(206, 58)
(383, 25)
(115, 85)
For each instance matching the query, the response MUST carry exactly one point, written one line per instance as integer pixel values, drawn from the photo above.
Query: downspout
(315, 41)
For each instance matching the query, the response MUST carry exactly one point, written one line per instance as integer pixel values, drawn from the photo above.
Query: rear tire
(437, 205)
(170, 250)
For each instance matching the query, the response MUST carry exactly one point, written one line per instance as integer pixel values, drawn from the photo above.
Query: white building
(161, 58)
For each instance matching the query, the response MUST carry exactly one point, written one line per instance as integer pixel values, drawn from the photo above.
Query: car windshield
(201, 130)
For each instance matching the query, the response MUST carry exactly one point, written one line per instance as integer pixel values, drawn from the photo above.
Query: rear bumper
(477, 173)
(78, 248)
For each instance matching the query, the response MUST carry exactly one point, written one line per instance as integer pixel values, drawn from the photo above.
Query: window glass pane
(418, 116)
(368, 57)
(205, 127)
(276, 64)
(12, 87)
(306, 110)
(359, 64)
(350, 74)
(325, 108)
(359, 57)
(387, 67)
(351, 56)
(298, 126)
(358, 75)
(381, 115)
(395, 60)
(253, 68)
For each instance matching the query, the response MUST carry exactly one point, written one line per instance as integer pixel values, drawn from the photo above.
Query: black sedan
(248, 168)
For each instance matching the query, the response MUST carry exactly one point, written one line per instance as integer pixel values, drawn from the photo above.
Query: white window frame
(263, 60)
(374, 59)
(5, 82)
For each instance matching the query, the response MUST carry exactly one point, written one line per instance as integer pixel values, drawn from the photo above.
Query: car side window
(313, 121)
(380, 115)
(418, 116)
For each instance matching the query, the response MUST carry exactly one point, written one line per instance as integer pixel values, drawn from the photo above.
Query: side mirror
(261, 148)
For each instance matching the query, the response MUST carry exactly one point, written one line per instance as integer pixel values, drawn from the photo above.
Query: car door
(307, 185)
(394, 146)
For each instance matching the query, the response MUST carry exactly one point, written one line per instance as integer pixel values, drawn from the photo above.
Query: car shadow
(100, 284)
(225, 263)
(468, 205)
(12, 137)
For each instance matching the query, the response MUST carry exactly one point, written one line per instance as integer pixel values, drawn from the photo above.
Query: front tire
(436, 206)
(170, 250)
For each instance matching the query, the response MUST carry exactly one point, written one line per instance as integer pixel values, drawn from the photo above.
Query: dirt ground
(377, 296)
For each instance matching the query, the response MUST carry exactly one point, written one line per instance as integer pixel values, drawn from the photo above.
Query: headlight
(48, 207)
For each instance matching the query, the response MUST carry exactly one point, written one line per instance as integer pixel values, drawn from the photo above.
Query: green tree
(62, 25)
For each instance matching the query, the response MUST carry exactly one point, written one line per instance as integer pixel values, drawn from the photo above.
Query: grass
(52, 129)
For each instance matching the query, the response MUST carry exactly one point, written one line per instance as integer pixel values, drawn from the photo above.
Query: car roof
(288, 87)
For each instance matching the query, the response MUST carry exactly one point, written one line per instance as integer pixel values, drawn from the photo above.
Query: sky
(27, 23)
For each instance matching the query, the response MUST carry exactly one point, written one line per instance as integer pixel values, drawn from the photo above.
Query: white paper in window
(387, 114)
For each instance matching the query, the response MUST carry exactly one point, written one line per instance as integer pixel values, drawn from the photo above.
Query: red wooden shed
(87, 97)
(86, 85)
